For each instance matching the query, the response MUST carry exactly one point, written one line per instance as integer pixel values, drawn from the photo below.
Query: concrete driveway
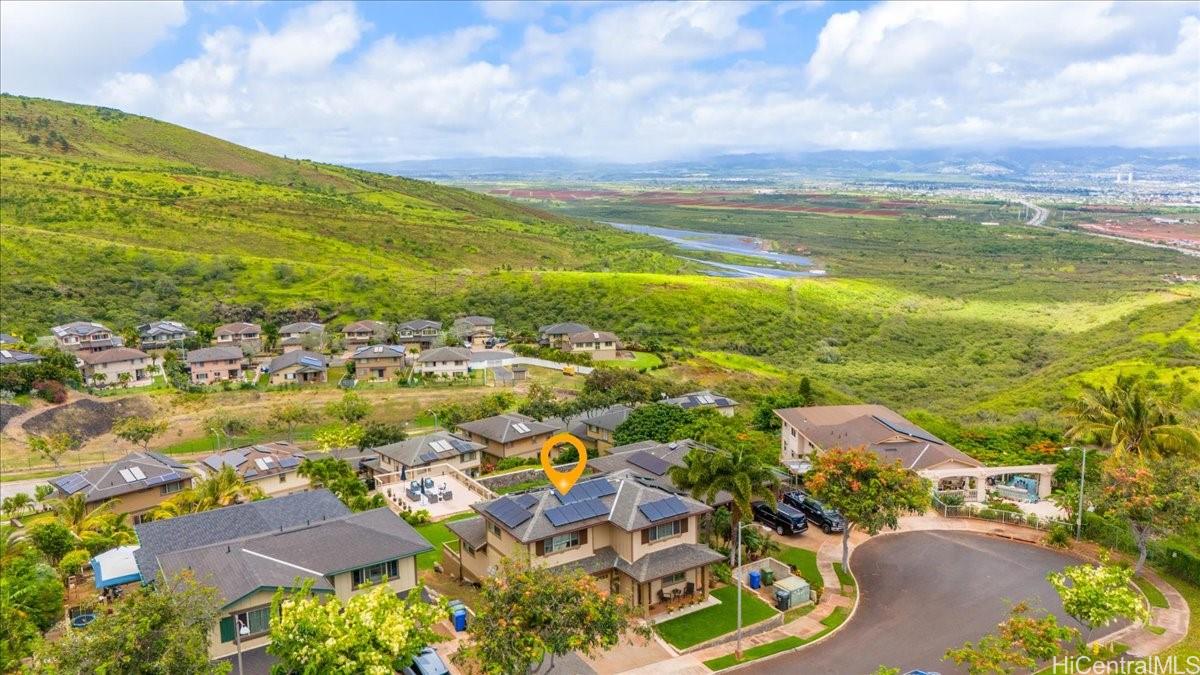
(925, 592)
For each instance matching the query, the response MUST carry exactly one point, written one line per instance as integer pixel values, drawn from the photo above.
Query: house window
(466, 457)
(375, 573)
(494, 528)
(677, 578)
(562, 542)
(172, 487)
(257, 620)
(666, 530)
(283, 478)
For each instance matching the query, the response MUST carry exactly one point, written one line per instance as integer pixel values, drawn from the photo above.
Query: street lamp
(242, 629)
(1079, 514)
(738, 650)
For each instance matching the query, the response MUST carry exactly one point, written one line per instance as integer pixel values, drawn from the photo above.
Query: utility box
(791, 592)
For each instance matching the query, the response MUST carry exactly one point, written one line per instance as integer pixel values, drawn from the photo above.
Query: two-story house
(135, 484)
(249, 551)
(16, 357)
(558, 335)
(301, 335)
(163, 334)
(475, 332)
(214, 364)
(508, 435)
(298, 367)
(444, 362)
(438, 447)
(118, 366)
(367, 331)
(239, 334)
(419, 334)
(599, 428)
(270, 466)
(704, 399)
(640, 541)
(600, 345)
(378, 362)
(84, 336)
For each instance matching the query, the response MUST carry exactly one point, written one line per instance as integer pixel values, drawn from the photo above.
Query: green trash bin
(768, 576)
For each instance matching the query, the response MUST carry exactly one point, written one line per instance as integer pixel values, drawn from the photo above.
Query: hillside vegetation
(121, 219)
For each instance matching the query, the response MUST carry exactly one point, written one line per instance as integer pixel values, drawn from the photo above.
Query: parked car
(829, 520)
(428, 662)
(783, 518)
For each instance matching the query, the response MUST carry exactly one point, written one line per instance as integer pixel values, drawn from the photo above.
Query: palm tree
(74, 514)
(180, 505)
(224, 488)
(110, 531)
(745, 474)
(12, 542)
(1127, 418)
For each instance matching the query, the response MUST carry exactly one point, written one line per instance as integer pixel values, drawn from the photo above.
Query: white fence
(553, 365)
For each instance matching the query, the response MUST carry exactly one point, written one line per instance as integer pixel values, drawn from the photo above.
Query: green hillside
(121, 219)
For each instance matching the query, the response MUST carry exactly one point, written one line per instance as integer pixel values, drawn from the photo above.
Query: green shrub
(1177, 559)
(1059, 536)
(514, 462)
(952, 499)
(722, 573)
(416, 518)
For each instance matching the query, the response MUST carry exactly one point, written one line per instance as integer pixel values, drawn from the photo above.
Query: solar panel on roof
(251, 473)
(137, 472)
(72, 484)
(289, 462)
(521, 428)
(508, 512)
(162, 478)
(655, 465)
(662, 509)
(907, 430)
(311, 361)
(428, 456)
(592, 489)
(214, 462)
(127, 475)
(525, 501)
(576, 512)
(261, 464)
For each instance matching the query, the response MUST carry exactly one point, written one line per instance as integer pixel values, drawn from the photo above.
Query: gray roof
(621, 507)
(565, 328)
(472, 530)
(6, 339)
(631, 459)
(255, 462)
(302, 327)
(160, 537)
(165, 327)
(206, 354)
(593, 336)
(611, 419)
(378, 352)
(433, 447)
(475, 320)
(577, 424)
(80, 328)
(315, 550)
(699, 399)
(237, 327)
(507, 427)
(355, 457)
(308, 361)
(485, 355)
(651, 566)
(444, 354)
(364, 325)
(114, 355)
(10, 357)
(133, 472)
(420, 324)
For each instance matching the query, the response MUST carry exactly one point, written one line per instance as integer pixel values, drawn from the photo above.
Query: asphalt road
(923, 593)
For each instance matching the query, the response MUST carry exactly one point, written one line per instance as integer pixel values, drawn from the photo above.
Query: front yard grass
(843, 576)
(437, 534)
(804, 561)
(1153, 595)
(711, 622)
(640, 361)
(836, 618)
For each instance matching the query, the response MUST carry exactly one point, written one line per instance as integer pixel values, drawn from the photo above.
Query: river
(736, 244)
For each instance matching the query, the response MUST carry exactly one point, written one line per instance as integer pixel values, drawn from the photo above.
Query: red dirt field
(1145, 229)
(712, 199)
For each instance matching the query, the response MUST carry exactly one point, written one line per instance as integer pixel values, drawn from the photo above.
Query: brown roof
(367, 325)
(593, 336)
(880, 429)
(237, 327)
(113, 355)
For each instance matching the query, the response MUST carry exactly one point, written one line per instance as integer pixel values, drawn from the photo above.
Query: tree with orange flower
(1156, 498)
(870, 495)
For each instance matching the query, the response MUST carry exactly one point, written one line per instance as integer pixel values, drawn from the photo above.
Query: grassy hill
(120, 218)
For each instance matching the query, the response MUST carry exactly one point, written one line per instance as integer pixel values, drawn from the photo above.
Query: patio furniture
(432, 497)
(447, 495)
(662, 597)
(690, 589)
(428, 483)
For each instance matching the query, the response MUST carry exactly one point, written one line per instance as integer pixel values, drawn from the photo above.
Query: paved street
(924, 592)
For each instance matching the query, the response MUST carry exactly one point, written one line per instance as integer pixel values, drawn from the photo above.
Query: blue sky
(376, 81)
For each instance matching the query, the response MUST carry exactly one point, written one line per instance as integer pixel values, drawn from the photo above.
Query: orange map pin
(563, 480)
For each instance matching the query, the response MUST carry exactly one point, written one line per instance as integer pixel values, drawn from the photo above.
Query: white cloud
(60, 48)
(311, 38)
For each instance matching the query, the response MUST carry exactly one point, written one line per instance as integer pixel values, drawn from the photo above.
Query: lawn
(640, 361)
(437, 534)
(1153, 595)
(804, 561)
(711, 622)
(1190, 645)
(209, 443)
(835, 619)
(843, 576)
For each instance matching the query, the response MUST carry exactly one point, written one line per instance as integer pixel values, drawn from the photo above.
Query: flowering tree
(375, 632)
(332, 438)
(1098, 595)
(1155, 498)
(870, 496)
(1020, 642)
(527, 612)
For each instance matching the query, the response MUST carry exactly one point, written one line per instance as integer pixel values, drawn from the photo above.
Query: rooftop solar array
(655, 465)
(441, 445)
(214, 462)
(576, 512)
(167, 477)
(289, 462)
(427, 456)
(592, 489)
(508, 512)
(525, 501)
(72, 484)
(907, 430)
(521, 428)
(311, 361)
(663, 509)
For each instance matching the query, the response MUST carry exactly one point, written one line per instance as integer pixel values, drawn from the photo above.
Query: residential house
(558, 335)
(418, 335)
(600, 345)
(270, 466)
(298, 367)
(249, 551)
(814, 429)
(652, 461)
(16, 357)
(248, 336)
(488, 359)
(704, 399)
(598, 428)
(640, 541)
(119, 366)
(6, 339)
(214, 364)
(508, 435)
(378, 362)
(135, 484)
(366, 331)
(438, 447)
(162, 334)
(444, 362)
(301, 335)
(84, 336)
(476, 332)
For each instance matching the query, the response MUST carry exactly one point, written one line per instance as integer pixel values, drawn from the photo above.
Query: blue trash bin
(460, 619)
(755, 579)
